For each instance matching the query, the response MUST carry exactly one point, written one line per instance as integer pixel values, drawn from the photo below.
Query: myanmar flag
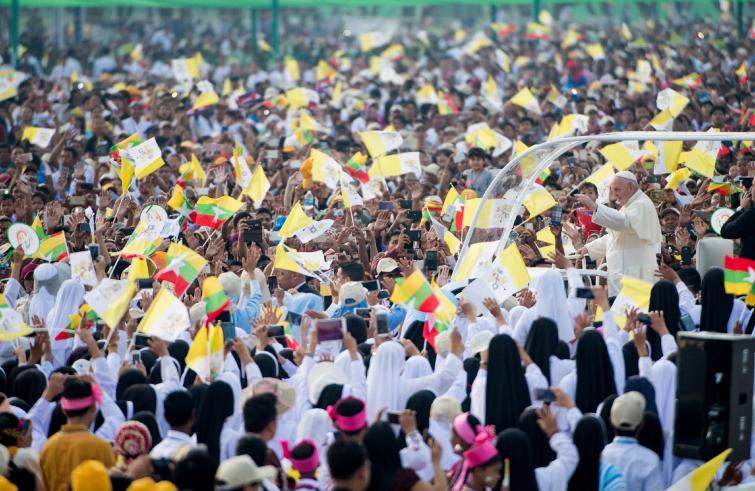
(216, 301)
(690, 81)
(213, 212)
(739, 277)
(356, 167)
(543, 176)
(86, 312)
(415, 292)
(182, 267)
(54, 248)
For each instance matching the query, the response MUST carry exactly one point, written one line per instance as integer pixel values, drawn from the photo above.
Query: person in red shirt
(584, 215)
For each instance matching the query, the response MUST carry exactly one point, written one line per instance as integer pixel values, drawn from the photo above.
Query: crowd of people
(320, 201)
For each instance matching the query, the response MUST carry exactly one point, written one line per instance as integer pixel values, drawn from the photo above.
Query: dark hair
(691, 278)
(150, 421)
(384, 452)
(506, 394)
(353, 270)
(357, 327)
(303, 450)
(345, 459)
(196, 471)
(588, 185)
(143, 397)
(542, 343)
(179, 408)
(216, 406)
(477, 153)
(590, 439)
(259, 411)
(9, 430)
(253, 446)
(75, 388)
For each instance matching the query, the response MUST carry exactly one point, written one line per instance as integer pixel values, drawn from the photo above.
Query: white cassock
(633, 238)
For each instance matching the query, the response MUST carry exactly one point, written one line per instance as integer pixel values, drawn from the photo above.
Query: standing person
(179, 413)
(741, 225)
(591, 474)
(640, 466)
(478, 178)
(349, 467)
(73, 444)
(634, 231)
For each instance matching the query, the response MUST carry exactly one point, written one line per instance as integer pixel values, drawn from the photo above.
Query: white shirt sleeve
(610, 218)
(104, 376)
(614, 345)
(686, 299)
(358, 379)
(253, 374)
(535, 379)
(438, 382)
(556, 476)
(668, 345)
(113, 418)
(40, 415)
(477, 395)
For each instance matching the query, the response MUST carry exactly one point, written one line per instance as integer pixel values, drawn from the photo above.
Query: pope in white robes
(634, 230)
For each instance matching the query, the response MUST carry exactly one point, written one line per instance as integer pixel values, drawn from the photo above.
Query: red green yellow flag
(182, 267)
(739, 277)
(216, 301)
(415, 292)
(54, 248)
(213, 212)
(178, 200)
(87, 313)
(356, 167)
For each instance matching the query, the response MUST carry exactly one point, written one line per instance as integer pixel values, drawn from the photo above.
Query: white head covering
(625, 174)
(67, 302)
(515, 314)
(416, 367)
(383, 379)
(315, 424)
(46, 285)
(551, 303)
(236, 420)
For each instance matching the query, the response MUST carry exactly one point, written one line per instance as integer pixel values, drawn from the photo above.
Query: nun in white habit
(46, 285)
(67, 302)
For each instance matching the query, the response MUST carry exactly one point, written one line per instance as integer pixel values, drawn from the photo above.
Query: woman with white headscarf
(46, 285)
(389, 387)
(67, 302)
(551, 299)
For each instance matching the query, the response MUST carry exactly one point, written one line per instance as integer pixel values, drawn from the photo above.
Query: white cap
(625, 174)
(385, 265)
(351, 293)
(231, 283)
(628, 410)
(444, 409)
(241, 470)
(480, 341)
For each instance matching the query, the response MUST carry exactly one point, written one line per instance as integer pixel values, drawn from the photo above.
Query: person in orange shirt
(73, 444)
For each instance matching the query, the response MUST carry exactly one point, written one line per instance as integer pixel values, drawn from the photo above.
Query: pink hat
(348, 423)
(304, 466)
(482, 451)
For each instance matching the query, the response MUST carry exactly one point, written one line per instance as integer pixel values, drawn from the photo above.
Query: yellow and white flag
(381, 142)
(678, 177)
(349, 195)
(493, 94)
(671, 100)
(306, 263)
(453, 243)
(702, 158)
(307, 122)
(292, 69)
(186, 69)
(206, 98)
(12, 325)
(700, 478)
(166, 318)
(426, 95)
(508, 274)
(622, 155)
(538, 201)
(258, 186)
(571, 124)
(205, 355)
(40, 137)
(110, 299)
(146, 158)
(595, 51)
(474, 262)
(667, 156)
(634, 293)
(295, 221)
(492, 212)
(372, 40)
(396, 165)
(602, 176)
(663, 121)
(525, 99)
(325, 169)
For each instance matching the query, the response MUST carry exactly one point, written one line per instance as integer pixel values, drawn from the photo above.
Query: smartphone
(94, 250)
(86, 186)
(657, 194)
(383, 294)
(85, 227)
(229, 331)
(686, 256)
(382, 323)
(225, 316)
(414, 215)
(275, 331)
(584, 293)
(272, 154)
(556, 214)
(141, 341)
(330, 329)
(745, 180)
(272, 283)
(136, 357)
(392, 417)
(371, 285)
(405, 204)
(414, 235)
(386, 205)
(573, 192)
(363, 313)
(144, 283)
(127, 231)
(254, 233)
(77, 201)
(545, 395)
(653, 179)
(431, 260)
(644, 319)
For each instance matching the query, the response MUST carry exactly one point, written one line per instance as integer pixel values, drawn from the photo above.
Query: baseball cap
(241, 470)
(386, 265)
(352, 292)
(627, 411)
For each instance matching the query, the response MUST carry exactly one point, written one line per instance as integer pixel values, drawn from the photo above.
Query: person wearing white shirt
(640, 466)
(179, 412)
